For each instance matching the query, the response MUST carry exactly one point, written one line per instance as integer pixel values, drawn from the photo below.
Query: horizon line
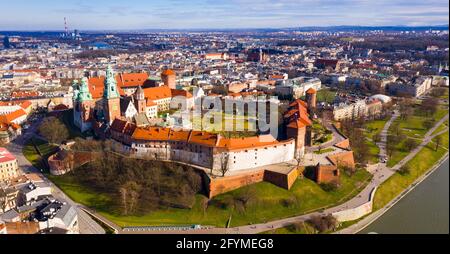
(221, 29)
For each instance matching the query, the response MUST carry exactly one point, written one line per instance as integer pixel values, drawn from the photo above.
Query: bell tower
(83, 106)
(111, 97)
(139, 100)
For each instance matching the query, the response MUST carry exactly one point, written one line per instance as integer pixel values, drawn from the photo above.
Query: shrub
(329, 187)
(323, 223)
(288, 202)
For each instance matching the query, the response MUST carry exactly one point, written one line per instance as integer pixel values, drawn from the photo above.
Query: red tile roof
(168, 72)
(5, 155)
(151, 133)
(157, 93)
(311, 91)
(97, 86)
(9, 118)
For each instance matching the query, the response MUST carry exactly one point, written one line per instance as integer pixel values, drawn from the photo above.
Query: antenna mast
(66, 29)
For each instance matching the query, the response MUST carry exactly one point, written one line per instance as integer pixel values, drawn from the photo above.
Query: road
(85, 223)
(336, 138)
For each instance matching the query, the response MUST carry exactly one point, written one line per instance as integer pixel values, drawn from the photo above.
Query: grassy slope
(422, 162)
(33, 156)
(267, 207)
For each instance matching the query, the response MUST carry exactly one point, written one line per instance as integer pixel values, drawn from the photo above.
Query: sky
(190, 14)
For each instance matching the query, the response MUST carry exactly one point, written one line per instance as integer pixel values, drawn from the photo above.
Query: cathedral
(88, 109)
(101, 100)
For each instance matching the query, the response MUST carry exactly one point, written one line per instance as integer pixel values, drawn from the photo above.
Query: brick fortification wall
(282, 180)
(225, 184)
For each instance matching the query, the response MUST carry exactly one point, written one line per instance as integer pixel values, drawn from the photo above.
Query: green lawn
(33, 156)
(327, 150)
(320, 134)
(441, 127)
(372, 128)
(413, 128)
(375, 127)
(400, 152)
(307, 196)
(326, 95)
(422, 162)
(374, 152)
(444, 140)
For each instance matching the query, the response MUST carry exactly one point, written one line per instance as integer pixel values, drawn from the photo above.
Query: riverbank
(369, 219)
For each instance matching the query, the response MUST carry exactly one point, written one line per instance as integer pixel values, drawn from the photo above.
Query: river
(424, 210)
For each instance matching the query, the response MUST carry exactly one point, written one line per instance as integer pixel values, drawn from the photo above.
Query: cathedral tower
(83, 106)
(111, 97)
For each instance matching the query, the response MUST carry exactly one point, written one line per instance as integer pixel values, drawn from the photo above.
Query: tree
(224, 160)
(437, 140)
(323, 223)
(288, 202)
(204, 204)
(296, 227)
(390, 148)
(396, 128)
(410, 144)
(329, 187)
(129, 196)
(438, 92)
(430, 105)
(376, 137)
(428, 124)
(362, 152)
(247, 195)
(53, 130)
(404, 170)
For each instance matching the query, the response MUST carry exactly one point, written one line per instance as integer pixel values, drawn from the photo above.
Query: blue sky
(181, 14)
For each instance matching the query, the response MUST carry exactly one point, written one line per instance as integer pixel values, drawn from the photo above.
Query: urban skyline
(206, 14)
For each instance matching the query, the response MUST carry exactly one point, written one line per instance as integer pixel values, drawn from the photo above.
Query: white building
(418, 87)
(33, 191)
(349, 110)
(297, 87)
(60, 215)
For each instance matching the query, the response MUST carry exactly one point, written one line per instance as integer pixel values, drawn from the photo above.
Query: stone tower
(311, 100)
(169, 78)
(111, 97)
(83, 105)
(139, 100)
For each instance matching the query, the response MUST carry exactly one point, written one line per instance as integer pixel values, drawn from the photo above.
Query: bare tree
(53, 130)
(224, 161)
(390, 148)
(129, 194)
(376, 137)
(437, 140)
(428, 124)
(410, 144)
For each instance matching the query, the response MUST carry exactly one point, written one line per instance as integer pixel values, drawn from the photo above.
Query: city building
(417, 87)
(8, 165)
(350, 110)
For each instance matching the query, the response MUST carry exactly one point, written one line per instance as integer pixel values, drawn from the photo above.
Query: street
(86, 224)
